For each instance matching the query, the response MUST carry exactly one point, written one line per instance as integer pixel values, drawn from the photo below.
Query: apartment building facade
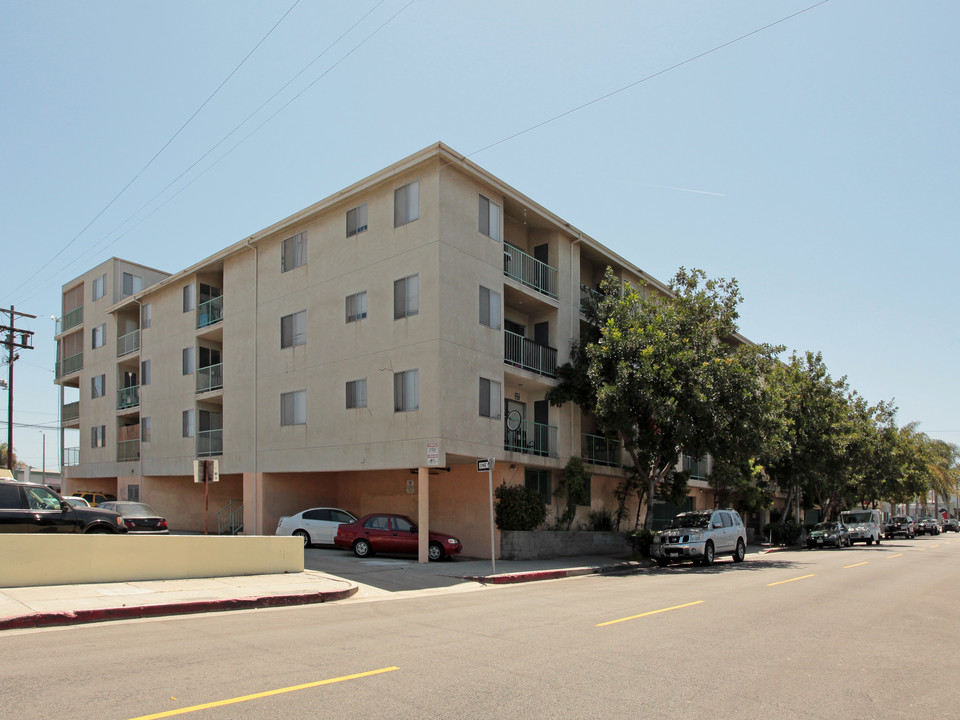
(362, 353)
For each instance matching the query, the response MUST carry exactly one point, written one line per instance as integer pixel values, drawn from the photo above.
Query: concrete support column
(253, 504)
(423, 510)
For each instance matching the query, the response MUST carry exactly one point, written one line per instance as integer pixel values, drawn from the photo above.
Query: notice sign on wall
(433, 454)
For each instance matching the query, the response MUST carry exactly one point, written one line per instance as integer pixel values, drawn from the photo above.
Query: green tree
(572, 486)
(3, 457)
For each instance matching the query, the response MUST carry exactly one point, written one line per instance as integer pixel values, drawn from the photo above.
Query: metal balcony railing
(128, 397)
(71, 456)
(600, 450)
(210, 311)
(128, 343)
(588, 296)
(70, 320)
(128, 450)
(70, 412)
(69, 365)
(531, 438)
(209, 442)
(525, 353)
(528, 270)
(210, 378)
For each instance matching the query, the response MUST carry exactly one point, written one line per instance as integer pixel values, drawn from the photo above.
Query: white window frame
(98, 336)
(187, 427)
(145, 372)
(490, 308)
(99, 288)
(144, 430)
(98, 386)
(406, 390)
(146, 315)
(406, 296)
(293, 252)
(491, 399)
(189, 297)
(293, 408)
(297, 333)
(98, 436)
(489, 218)
(187, 363)
(135, 284)
(406, 204)
(356, 306)
(357, 220)
(356, 393)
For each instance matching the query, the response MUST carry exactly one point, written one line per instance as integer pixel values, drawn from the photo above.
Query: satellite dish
(514, 419)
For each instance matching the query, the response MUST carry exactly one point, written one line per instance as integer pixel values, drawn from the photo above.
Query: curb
(126, 612)
(531, 576)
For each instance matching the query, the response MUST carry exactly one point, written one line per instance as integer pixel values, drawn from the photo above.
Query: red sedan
(388, 533)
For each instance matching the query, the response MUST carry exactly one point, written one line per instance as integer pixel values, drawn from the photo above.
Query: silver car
(701, 535)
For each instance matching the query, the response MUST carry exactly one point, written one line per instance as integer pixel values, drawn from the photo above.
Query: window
(98, 335)
(293, 329)
(357, 393)
(145, 372)
(99, 287)
(406, 391)
(541, 481)
(489, 398)
(696, 467)
(98, 386)
(133, 493)
(293, 408)
(98, 436)
(489, 308)
(189, 298)
(406, 297)
(357, 220)
(356, 306)
(406, 204)
(489, 218)
(145, 430)
(146, 315)
(131, 283)
(187, 423)
(293, 252)
(187, 356)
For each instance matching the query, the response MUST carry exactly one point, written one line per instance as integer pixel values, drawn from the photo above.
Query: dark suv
(29, 508)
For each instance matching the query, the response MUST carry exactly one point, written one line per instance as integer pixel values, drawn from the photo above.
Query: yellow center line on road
(652, 612)
(933, 546)
(802, 577)
(268, 693)
(865, 562)
(893, 556)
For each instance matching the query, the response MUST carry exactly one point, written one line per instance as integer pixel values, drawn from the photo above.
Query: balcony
(69, 365)
(210, 312)
(525, 353)
(128, 397)
(70, 320)
(209, 442)
(128, 343)
(71, 456)
(128, 450)
(588, 296)
(70, 412)
(600, 450)
(531, 438)
(210, 378)
(529, 271)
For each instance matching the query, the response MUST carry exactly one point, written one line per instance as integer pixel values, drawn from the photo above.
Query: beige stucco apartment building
(363, 353)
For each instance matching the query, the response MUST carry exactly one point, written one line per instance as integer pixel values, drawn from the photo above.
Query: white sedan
(317, 526)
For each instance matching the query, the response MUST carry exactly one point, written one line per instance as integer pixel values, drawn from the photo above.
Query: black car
(828, 534)
(928, 526)
(139, 517)
(899, 525)
(30, 508)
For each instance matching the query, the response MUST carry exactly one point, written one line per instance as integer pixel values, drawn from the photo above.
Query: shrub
(786, 534)
(640, 541)
(519, 508)
(600, 520)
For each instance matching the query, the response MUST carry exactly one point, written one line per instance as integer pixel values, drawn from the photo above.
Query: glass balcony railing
(209, 442)
(70, 320)
(528, 270)
(70, 412)
(128, 450)
(71, 456)
(210, 312)
(210, 378)
(128, 397)
(531, 438)
(525, 353)
(600, 450)
(69, 365)
(128, 343)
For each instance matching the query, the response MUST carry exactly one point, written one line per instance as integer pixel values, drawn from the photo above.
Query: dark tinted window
(402, 525)
(341, 517)
(9, 496)
(317, 515)
(377, 522)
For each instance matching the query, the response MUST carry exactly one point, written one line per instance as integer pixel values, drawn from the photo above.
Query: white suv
(701, 535)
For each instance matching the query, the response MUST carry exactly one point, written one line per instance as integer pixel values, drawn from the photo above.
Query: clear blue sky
(815, 160)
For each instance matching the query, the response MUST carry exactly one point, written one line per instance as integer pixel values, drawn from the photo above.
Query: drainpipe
(256, 448)
(574, 319)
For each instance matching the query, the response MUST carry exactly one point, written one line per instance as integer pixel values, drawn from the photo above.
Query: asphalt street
(861, 632)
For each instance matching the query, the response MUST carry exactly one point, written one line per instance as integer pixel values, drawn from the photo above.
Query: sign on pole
(433, 454)
(486, 465)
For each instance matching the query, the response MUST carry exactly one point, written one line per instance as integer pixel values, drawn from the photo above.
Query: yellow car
(94, 497)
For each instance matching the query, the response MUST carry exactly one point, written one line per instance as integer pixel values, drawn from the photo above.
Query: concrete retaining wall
(542, 544)
(40, 559)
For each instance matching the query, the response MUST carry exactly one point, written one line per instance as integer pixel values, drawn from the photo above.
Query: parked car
(29, 508)
(951, 524)
(900, 525)
(139, 517)
(864, 526)
(94, 497)
(317, 526)
(701, 535)
(76, 501)
(828, 534)
(389, 533)
(928, 526)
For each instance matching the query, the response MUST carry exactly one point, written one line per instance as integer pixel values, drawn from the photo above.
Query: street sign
(433, 454)
(483, 466)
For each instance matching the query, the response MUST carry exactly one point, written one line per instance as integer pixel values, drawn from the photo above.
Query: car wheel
(870, 541)
(435, 551)
(740, 553)
(662, 562)
(304, 535)
(878, 539)
(708, 553)
(97, 530)
(362, 549)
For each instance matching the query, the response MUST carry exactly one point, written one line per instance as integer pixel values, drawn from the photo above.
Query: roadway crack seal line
(652, 612)
(267, 693)
(77, 617)
(781, 582)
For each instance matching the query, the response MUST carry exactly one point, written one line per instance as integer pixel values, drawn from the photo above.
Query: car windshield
(691, 520)
(133, 508)
(856, 517)
(825, 527)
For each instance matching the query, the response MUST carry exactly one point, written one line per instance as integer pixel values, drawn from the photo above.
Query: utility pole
(11, 342)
